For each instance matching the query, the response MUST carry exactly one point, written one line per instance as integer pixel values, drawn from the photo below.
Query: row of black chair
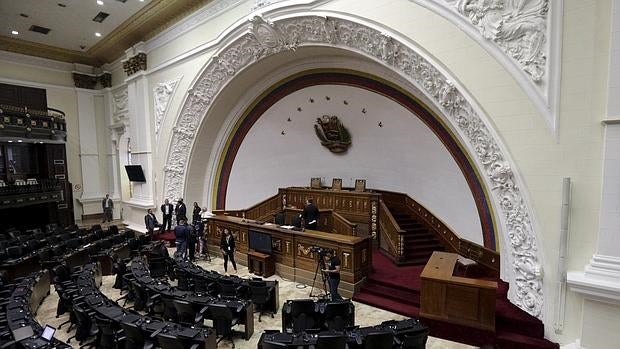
(306, 314)
(18, 304)
(114, 327)
(406, 334)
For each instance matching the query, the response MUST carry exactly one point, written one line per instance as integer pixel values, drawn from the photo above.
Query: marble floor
(365, 315)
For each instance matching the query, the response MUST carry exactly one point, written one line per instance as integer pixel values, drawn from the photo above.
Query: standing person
(166, 211)
(191, 241)
(180, 211)
(108, 206)
(196, 213)
(310, 214)
(204, 215)
(332, 271)
(151, 223)
(181, 236)
(227, 245)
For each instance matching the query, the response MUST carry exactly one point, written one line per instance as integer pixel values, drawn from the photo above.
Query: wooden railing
(391, 239)
(451, 240)
(262, 211)
(341, 225)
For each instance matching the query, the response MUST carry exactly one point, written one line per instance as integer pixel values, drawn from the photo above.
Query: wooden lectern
(459, 300)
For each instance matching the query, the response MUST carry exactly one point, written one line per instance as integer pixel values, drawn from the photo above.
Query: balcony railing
(29, 123)
(30, 192)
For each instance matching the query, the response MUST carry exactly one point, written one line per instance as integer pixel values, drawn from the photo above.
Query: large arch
(242, 48)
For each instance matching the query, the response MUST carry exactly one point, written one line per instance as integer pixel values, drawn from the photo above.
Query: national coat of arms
(333, 135)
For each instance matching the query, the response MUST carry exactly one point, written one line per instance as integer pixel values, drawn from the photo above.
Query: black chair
(108, 334)
(336, 315)
(296, 221)
(412, 341)
(14, 252)
(85, 328)
(184, 280)
(228, 288)
(223, 321)
(274, 345)
(378, 340)
(202, 285)
(261, 295)
(171, 342)
(157, 266)
(334, 340)
(113, 230)
(170, 312)
(144, 300)
(303, 315)
(187, 313)
(134, 337)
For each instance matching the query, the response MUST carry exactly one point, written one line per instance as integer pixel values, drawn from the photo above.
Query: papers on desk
(287, 226)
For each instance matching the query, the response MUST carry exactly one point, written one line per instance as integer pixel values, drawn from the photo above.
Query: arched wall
(244, 47)
(411, 152)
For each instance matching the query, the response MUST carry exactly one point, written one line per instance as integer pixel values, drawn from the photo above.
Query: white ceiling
(71, 26)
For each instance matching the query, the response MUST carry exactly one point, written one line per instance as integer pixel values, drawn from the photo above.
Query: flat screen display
(135, 173)
(48, 332)
(260, 242)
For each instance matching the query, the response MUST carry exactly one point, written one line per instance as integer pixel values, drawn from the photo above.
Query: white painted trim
(33, 61)
(546, 98)
(141, 204)
(592, 288)
(35, 84)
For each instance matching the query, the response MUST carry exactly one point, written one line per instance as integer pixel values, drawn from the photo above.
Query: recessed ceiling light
(141, 0)
(14, 32)
(19, 141)
(10, 141)
(99, 2)
(97, 34)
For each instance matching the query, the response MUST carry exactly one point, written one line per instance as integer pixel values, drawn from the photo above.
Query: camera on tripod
(320, 250)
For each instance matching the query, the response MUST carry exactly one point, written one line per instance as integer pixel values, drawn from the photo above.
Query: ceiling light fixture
(10, 141)
(99, 2)
(19, 141)
(97, 34)
(14, 32)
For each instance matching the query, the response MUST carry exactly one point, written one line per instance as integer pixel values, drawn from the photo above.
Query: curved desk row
(150, 328)
(244, 286)
(243, 308)
(20, 310)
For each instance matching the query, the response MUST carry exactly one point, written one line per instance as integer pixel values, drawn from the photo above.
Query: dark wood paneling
(21, 96)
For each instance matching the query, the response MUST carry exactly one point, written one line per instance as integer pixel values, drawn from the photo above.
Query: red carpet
(397, 289)
(168, 235)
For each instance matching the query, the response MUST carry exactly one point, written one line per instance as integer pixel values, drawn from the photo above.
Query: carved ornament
(135, 64)
(85, 81)
(525, 276)
(162, 94)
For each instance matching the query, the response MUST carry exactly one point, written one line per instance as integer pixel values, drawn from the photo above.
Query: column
(92, 194)
(140, 134)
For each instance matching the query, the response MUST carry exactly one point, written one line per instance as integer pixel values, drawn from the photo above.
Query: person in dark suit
(166, 210)
(108, 207)
(227, 245)
(310, 215)
(181, 234)
(196, 213)
(180, 211)
(151, 223)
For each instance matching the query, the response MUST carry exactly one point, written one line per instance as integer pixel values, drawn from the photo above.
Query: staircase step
(387, 304)
(405, 297)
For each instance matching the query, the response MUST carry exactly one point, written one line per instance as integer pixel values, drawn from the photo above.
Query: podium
(261, 264)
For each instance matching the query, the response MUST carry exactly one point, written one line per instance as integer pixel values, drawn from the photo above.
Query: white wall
(403, 155)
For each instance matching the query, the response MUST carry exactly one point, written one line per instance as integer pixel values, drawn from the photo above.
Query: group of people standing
(187, 235)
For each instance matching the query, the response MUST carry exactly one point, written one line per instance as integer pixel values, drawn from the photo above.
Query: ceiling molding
(19, 58)
(152, 19)
(44, 51)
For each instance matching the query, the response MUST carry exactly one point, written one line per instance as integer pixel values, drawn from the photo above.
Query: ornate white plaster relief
(264, 38)
(162, 94)
(523, 35)
(119, 102)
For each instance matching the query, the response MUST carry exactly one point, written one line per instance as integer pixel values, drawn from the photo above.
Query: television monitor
(48, 333)
(260, 242)
(135, 173)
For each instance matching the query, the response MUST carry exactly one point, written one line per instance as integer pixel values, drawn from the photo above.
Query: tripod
(320, 265)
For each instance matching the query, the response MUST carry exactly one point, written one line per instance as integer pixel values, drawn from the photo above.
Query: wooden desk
(464, 301)
(292, 249)
(261, 264)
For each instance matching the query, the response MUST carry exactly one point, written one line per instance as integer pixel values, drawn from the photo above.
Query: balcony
(16, 122)
(30, 192)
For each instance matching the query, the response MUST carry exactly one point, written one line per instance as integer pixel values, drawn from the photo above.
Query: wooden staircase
(418, 241)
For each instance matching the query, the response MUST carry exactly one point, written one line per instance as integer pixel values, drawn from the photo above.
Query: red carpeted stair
(419, 242)
(397, 289)
(167, 235)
